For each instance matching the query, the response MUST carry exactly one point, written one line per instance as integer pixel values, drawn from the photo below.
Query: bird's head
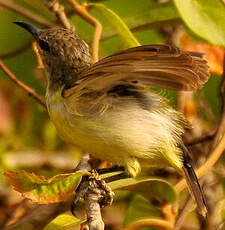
(63, 53)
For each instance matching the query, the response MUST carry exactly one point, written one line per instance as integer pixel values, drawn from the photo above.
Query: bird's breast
(120, 133)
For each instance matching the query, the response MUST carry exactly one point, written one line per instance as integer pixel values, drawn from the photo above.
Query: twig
(16, 51)
(217, 146)
(38, 55)
(93, 210)
(201, 171)
(96, 195)
(31, 92)
(92, 194)
(48, 212)
(221, 226)
(81, 10)
(25, 218)
(11, 213)
(205, 137)
(149, 222)
(8, 4)
(221, 127)
(168, 223)
(169, 211)
(58, 10)
(183, 213)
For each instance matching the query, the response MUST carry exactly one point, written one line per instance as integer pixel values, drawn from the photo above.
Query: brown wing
(150, 65)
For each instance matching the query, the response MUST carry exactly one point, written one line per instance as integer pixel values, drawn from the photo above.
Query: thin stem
(58, 10)
(81, 10)
(38, 55)
(31, 92)
(183, 213)
(16, 51)
(218, 144)
(221, 127)
(149, 222)
(169, 213)
(8, 4)
(214, 156)
(205, 137)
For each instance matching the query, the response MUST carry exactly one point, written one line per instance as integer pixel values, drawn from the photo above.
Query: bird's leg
(115, 168)
(84, 163)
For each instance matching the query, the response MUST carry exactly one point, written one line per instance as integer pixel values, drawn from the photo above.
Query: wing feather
(150, 65)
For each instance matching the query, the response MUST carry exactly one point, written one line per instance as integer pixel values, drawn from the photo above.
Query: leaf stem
(81, 10)
(215, 155)
(218, 144)
(149, 222)
(168, 223)
(17, 51)
(8, 4)
(31, 92)
(58, 10)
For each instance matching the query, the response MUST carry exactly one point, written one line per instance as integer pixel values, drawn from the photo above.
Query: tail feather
(193, 184)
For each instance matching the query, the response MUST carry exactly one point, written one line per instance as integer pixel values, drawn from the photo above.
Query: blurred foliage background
(28, 139)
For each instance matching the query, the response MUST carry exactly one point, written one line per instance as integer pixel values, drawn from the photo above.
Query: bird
(108, 108)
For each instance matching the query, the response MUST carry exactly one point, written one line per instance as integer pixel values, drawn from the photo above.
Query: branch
(149, 222)
(58, 10)
(221, 127)
(38, 55)
(16, 51)
(168, 223)
(81, 10)
(31, 92)
(94, 191)
(214, 156)
(183, 213)
(24, 219)
(205, 137)
(8, 4)
(218, 144)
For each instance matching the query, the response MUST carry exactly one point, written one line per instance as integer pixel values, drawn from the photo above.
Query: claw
(93, 184)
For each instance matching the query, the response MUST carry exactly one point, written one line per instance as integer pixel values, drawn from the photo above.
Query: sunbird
(107, 108)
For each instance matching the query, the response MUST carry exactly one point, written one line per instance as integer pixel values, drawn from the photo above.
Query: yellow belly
(123, 137)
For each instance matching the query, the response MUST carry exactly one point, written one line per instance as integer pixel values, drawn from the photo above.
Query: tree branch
(218, 144)
(16, 51)
(214, 156)
(81, 10)
(58, 10)
(38, 55)
(8, 4)
(221, 127)
(183, 213)
(205, 137)
(31, 92)
(168, 223)
(149, 222)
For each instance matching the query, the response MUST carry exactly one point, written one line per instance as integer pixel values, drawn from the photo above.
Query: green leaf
(58, 188)
(140, 208)
(155, 15)
(205, 18)
(45, 191)
(222, 214)
(63, 222)
(210, 91)
(150, 187)
(117, 23)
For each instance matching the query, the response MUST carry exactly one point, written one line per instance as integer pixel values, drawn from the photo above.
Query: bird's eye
(44, 45)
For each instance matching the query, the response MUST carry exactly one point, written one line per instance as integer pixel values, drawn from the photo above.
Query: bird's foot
(93, 187)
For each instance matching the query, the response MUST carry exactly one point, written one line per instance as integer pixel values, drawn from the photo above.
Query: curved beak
(30, 28)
